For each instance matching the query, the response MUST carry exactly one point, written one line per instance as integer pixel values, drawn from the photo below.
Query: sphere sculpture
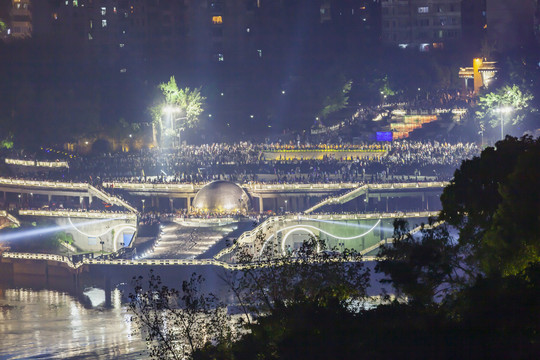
(221, 197)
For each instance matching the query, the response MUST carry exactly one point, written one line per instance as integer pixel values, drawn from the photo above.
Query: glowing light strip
(89, 235)
(120, 231)
(293, 230)
(324, 232)
(337, 222)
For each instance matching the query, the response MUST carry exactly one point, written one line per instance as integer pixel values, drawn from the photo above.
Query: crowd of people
(245, 162)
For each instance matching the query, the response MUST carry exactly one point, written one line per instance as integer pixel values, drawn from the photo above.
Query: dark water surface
(52, 324)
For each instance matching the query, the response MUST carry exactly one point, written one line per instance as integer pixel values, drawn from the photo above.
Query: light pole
(169, 110)
(502, 110)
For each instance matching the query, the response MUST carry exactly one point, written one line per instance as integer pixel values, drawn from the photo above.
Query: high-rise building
(537, 21)
(20, 19)
(421, 23)
(510, 24)
(118, 31)
(474, 21)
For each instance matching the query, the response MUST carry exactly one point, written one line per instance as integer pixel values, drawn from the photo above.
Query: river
(52, 324)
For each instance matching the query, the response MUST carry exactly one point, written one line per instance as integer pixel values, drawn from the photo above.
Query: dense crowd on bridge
(244, 162)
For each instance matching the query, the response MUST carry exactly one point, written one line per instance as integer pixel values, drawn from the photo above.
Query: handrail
(43, 184)
(78, 214)
(150, 262)
(49, 164)
(10, 217)
(388, 186)
(247, 236)
(110, 198)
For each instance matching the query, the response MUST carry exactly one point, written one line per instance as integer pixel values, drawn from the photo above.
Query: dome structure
(221, 196)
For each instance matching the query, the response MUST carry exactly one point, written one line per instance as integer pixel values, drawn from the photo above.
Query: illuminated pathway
(178, 241)
(365, 189)
(248, 240)
(353, 231)
(55, 188)
(291, 197)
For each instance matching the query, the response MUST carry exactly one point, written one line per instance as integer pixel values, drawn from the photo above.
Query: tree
(312, 274)
(182, 106)
(3, 28)
(513, 240)
(422, 267)
(489, 197)
(177, 322)
(297, 305)
(336, 101)
(508, 104)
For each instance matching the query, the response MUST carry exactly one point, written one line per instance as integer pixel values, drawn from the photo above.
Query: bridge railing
(48, 164)
(79, 214)
(248, 236)
(147, 262)
(10, 217)
(110, 198)
(359, 190)
(146, 186)
(44, 184)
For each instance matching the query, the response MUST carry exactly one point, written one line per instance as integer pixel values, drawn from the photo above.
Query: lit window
(91, 24)
(103, 23)
(103, 11)
(121, 45)
(123, 70)
(217, 20)
(19, 5)
(423, 10)
(260, 53)
(75, 3)
(114, 10)
(55, 16)
(220, 57)
(90, 37)
(248, 30)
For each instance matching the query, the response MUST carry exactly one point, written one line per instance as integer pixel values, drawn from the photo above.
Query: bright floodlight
(504, 109)
(169, 109)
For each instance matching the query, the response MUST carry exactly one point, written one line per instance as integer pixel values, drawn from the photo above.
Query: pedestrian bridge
(57, 188)
(363, 232)
(285, 234)
(364, 190)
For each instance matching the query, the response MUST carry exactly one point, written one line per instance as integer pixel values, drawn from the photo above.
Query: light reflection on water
(48, 324)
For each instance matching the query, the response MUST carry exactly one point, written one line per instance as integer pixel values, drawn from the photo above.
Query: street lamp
(285, 205)
(143, 200)
(502, 110)
(169, 110)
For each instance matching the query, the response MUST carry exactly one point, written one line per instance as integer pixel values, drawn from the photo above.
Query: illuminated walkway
(364, 189)
(178, 241)
(55, 188)
(79, 214)
(254, 241)
(361, 232)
